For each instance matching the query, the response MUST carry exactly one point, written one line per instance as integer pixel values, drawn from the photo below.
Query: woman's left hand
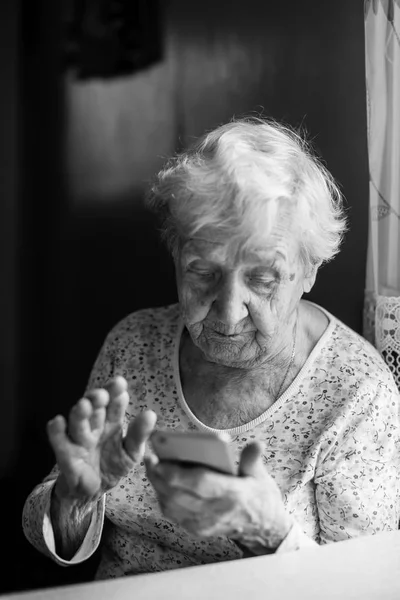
(247, 508)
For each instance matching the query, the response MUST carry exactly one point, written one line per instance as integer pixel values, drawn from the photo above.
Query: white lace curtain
(382, 298)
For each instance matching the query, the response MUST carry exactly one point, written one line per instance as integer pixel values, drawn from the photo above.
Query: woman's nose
(230, 306)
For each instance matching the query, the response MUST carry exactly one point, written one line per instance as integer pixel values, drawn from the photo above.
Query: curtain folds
(382, 297)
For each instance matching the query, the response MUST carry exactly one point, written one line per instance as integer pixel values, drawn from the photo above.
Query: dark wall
(9, 99)
(89, 253)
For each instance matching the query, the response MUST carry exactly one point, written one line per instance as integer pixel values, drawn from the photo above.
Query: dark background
(78, 251)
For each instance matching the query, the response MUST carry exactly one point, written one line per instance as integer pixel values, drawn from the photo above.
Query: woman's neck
(224, 397)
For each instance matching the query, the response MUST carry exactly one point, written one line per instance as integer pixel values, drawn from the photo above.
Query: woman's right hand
(90, 449)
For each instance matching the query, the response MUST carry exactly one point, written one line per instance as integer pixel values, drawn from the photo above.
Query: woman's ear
(309, 277)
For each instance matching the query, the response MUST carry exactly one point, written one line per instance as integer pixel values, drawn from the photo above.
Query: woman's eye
(263, 285)
(203, 273)
(262, 281)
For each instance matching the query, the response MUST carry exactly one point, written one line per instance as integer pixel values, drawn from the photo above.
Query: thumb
(138, 433)
(251, 463)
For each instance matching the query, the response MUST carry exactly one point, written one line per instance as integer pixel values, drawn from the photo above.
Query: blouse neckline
(292, 388)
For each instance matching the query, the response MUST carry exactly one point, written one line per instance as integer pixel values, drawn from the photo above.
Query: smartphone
(196, 448)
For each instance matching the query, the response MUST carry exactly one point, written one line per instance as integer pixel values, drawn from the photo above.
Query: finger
(117, 389)
(116, 386)
(151, 460)
(176, 514)
(57, 431)
(198, 515)
(99, 399)
(57, 435)
(158, 483)
(138, 433)
(79, 429)
(179, 506)
(200, 481)
(65, 452)
(157, 480)
(251, 462)
(199, 524)
(184, 502)
(98, 419)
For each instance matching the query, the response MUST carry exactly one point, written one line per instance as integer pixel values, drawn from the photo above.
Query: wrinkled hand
(90, 450)
(248, 508)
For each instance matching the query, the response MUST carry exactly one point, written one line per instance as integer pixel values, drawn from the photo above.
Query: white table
(366, 568)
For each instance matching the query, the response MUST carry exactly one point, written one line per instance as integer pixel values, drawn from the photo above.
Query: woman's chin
(227, 355)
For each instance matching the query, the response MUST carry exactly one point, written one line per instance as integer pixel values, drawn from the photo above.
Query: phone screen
(204, 449)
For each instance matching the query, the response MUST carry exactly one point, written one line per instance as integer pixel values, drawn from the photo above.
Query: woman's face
(239, 305)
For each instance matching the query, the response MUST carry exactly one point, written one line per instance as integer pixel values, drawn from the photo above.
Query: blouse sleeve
(38, 529)
(358, 478)
(36, 521)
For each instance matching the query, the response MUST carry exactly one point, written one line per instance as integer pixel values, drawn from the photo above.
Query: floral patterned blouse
(331, 443)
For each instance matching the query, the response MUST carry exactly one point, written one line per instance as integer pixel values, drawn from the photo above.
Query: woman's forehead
(272, 250)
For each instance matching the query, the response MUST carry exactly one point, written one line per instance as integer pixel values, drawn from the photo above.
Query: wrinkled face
(239, 304)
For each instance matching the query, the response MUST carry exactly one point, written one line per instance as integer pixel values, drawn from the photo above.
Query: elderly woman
(310, 407)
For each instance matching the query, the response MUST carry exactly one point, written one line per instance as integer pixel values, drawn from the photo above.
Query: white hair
(238, 177)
